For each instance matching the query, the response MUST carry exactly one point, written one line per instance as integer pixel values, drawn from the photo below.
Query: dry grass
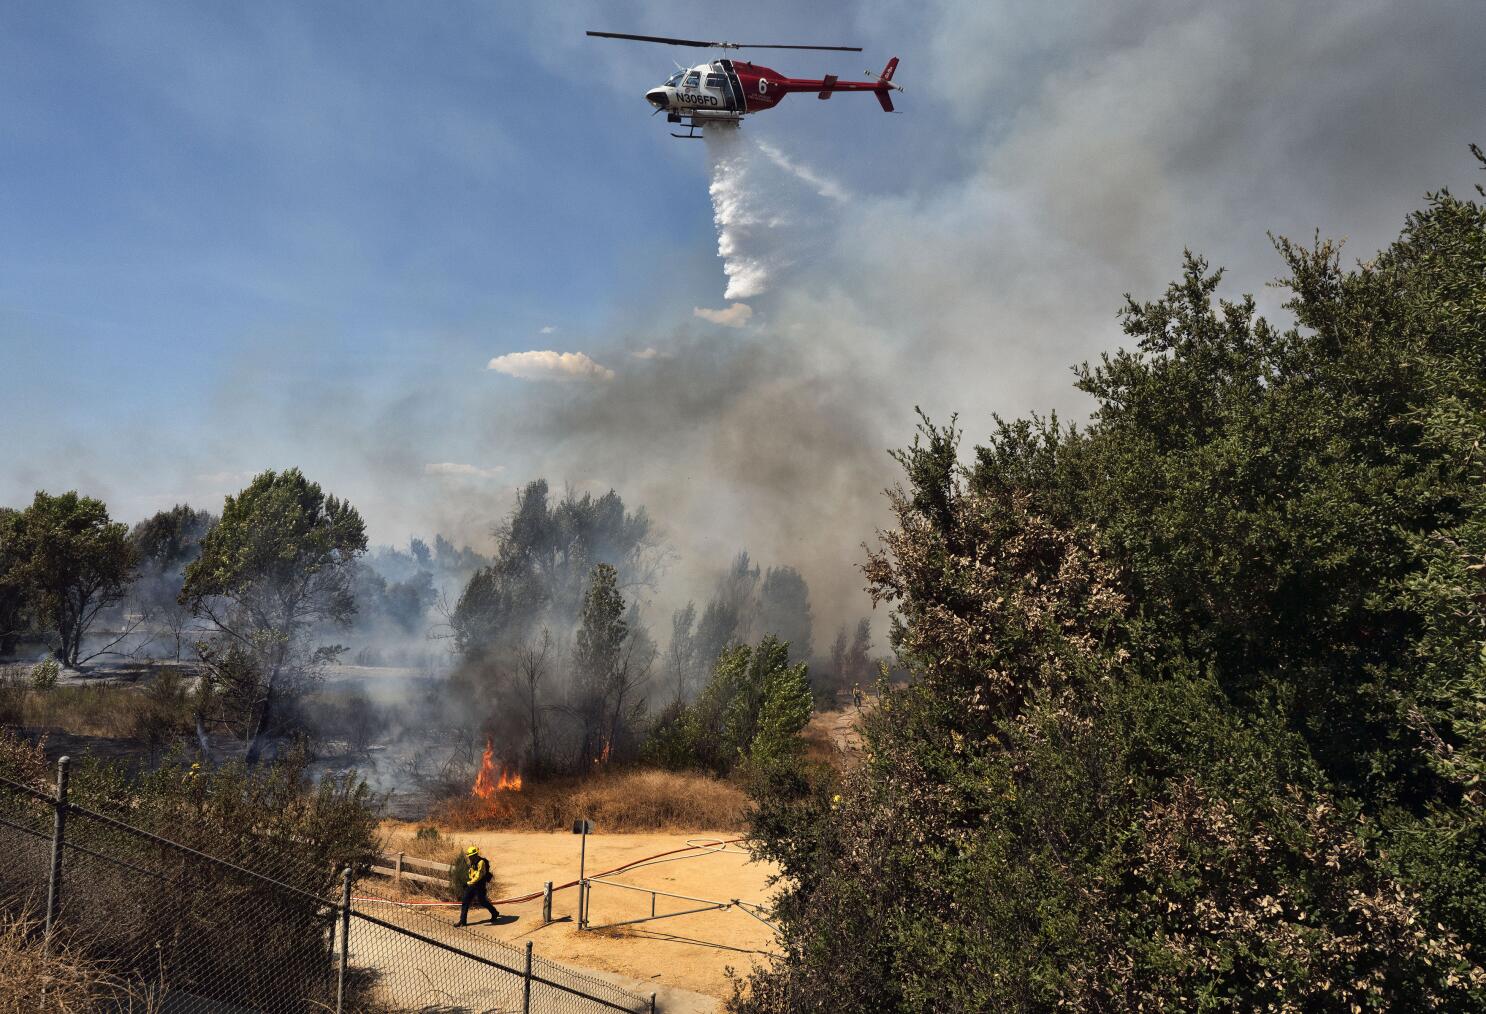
(831, 738)
(99, 709)
(61, 981)
(635, 800)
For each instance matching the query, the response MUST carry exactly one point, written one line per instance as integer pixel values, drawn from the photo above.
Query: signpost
(583, 827)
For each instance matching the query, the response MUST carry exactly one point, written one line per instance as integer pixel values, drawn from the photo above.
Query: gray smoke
(960, 256)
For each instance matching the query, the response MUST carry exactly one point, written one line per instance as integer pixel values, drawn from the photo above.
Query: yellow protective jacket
(479, 872)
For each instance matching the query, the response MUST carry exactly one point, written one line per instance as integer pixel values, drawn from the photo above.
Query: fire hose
(708, 847)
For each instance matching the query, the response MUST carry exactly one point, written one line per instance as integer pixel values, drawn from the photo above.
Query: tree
(14, 586)
(533, 664)
(598, 654)
(539, 576)
(717, 631)
(281, 560)
(74, 562)
(682, 650)
(630, 678)
(857, 664)
(784, 610)
(850, 660)
(418, 549)
(752, 709)
(165, 544)
(1196, 689)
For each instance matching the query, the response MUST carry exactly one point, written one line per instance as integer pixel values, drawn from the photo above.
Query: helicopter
(724, 91)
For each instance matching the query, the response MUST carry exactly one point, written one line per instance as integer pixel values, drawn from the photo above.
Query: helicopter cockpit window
(716, 81)
(675, 79)
(692, 79)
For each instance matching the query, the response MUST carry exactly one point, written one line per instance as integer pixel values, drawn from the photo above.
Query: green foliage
(168, 540)
(65, 562)
(602, 628)
(279, 562)
(44, 675)
(540, 574)
(14, 587)
(212, 926)
(459, 874)
(751, 710)
(1198, 700)
(281, 554)
(782, 713)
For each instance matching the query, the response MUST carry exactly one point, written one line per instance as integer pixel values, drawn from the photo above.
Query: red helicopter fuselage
(728, 90)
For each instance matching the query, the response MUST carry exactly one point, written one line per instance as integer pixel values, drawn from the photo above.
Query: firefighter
(475, 883)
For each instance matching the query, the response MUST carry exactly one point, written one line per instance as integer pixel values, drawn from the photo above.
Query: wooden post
(526, 985)
(340, 979)
(59, 828)
(547, 903)
(397, 871)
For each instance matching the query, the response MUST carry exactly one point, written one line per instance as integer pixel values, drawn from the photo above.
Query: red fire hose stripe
(558, 887)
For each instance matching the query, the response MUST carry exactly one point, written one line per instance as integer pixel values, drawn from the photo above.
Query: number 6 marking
(763, 86)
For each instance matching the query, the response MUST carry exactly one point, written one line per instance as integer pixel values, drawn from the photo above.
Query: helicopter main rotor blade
(700, 44)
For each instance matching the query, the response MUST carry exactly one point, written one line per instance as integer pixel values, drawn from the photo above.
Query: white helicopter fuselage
(711, 90)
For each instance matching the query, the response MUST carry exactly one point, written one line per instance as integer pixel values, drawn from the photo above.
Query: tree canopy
(281, 560)
(539, 576)
(1198, 688)
(66, 561)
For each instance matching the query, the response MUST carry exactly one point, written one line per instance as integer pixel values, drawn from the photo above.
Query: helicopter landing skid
(696, 123)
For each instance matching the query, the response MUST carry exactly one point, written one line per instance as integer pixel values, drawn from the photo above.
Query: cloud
(548, 329)
(648, 352)
(549, 365)
(460, 470)
(733, 316)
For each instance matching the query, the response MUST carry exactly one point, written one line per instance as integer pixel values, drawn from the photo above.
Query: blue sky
(237, 236)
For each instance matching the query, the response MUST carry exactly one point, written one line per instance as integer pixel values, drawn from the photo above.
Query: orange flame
(488, 782)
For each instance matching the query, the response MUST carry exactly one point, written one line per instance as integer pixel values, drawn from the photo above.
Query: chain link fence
(189, 933)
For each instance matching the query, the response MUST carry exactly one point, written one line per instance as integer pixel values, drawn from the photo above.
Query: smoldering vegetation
(273, 625)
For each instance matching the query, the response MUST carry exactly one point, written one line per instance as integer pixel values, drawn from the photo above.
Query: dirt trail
(683, 960)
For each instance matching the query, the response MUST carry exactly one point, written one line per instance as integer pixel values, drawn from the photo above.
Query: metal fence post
(547, 903)
(340, 978)
(59, 827)
(652, 1003)
(526, 985)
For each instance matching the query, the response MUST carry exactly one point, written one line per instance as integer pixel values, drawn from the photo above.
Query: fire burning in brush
(488, 782)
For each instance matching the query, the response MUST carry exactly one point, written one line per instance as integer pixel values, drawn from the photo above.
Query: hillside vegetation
(1199, 689)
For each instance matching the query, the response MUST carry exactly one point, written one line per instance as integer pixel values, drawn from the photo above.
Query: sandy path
(683, 960)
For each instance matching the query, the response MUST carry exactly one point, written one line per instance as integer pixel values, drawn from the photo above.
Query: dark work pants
(475, 895)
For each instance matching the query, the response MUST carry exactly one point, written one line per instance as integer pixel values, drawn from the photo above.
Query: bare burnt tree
(532, 664)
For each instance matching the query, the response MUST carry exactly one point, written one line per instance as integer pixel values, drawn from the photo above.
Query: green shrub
(755, 704)
(459, 874)
(217, 932)
(44, 674)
